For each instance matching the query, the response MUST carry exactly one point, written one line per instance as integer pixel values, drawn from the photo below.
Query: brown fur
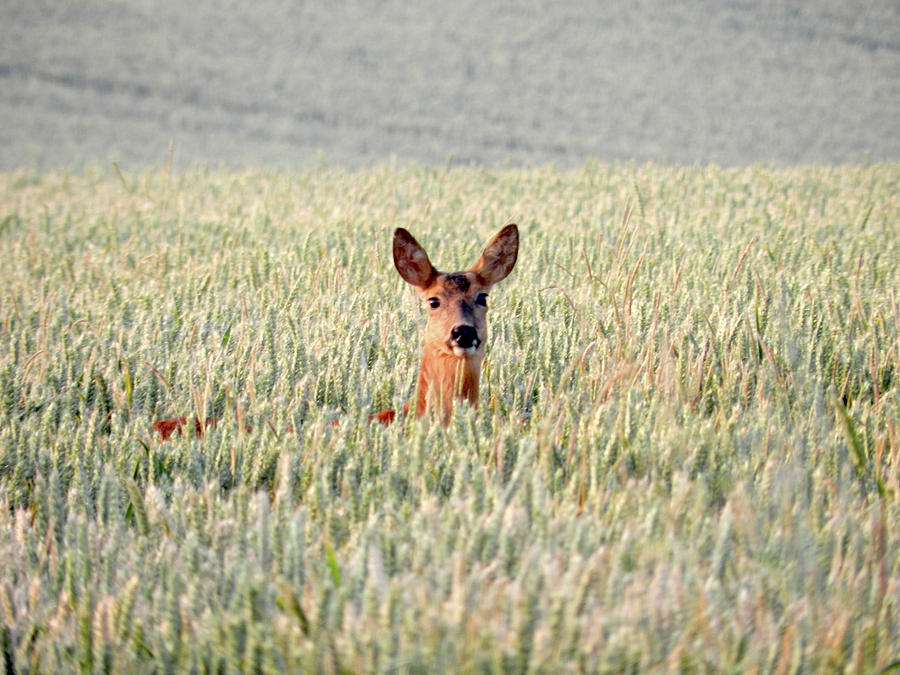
(165, 428)
(450, 372)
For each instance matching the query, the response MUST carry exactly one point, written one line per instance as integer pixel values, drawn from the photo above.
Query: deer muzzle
(464, 340)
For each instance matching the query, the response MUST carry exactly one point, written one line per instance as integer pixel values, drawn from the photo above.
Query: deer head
(456, 304)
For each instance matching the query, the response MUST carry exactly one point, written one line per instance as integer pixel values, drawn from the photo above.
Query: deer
(455, 327)
(456, 323)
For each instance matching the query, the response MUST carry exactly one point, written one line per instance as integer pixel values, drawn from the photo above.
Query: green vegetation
(685, 458)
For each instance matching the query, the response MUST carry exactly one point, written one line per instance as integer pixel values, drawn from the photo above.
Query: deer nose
(465, 336)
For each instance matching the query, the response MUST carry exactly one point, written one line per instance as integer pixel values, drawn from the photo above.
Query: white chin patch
(467, 351)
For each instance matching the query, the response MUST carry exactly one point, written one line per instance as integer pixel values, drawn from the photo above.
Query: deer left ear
(411, 260)
(499, 256)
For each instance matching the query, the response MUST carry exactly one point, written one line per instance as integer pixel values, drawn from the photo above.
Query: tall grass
(685, 456)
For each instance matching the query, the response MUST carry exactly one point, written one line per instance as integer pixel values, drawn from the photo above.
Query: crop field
(686, 456)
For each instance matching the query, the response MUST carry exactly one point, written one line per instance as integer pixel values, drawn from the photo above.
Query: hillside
(351, 83)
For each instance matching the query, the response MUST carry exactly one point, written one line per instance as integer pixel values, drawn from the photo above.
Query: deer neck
(444, 377)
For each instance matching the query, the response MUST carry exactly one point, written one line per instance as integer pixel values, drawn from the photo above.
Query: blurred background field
(351, 83)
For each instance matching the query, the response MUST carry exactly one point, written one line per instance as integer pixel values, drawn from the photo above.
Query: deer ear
(411, 260)
(499, 256)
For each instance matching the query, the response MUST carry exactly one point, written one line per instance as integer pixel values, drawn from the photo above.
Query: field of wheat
(686, 456)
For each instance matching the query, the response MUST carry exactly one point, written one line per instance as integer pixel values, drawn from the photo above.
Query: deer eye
(434, 303)
(481, 299)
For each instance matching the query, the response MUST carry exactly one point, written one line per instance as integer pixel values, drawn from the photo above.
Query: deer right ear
(411, 260)
(499, 256)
